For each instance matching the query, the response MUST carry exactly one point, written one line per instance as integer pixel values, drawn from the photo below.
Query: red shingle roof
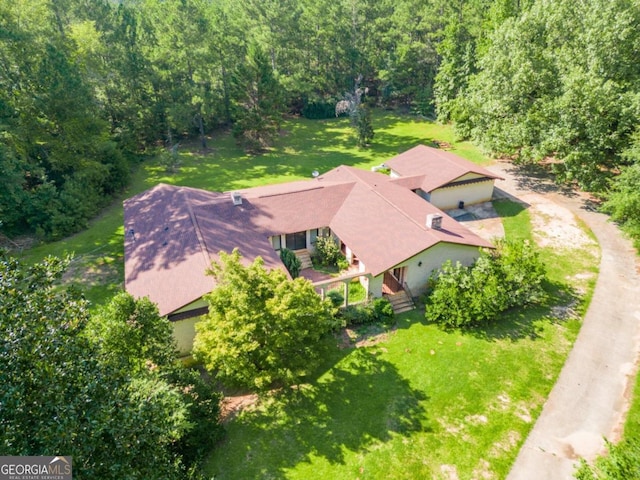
(173, 233)
(429, 168)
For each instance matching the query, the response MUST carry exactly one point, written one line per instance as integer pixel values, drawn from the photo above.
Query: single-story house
(394, 236)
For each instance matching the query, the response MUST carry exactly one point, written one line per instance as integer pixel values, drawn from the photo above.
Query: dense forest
(87, 86)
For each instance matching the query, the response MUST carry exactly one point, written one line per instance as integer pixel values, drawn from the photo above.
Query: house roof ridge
(388, 180)
(196, 226)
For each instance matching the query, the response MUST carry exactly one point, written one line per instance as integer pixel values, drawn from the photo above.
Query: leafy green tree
(262, 329)
(133, 337)
(558, 81)
(623, 198)
(259, 101)
(458, 63)
(51, 122)
(132, 333)
(59, 395)
(359, 114)
(364, 128)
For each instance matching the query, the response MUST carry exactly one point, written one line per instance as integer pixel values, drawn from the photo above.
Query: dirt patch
(17, 244)
(231, 406)
(476, 419)
(363, 336)
(89, 271)
(556, 227)
(508, 443)
(483, 471)
(449, 472)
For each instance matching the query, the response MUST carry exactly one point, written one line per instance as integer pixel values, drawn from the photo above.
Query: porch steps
(305, 259)
(401, 302)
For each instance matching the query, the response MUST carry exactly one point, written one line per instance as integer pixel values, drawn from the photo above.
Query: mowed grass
(303, 146)
(425, 403)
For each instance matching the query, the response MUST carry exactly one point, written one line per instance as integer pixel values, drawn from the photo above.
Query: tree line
(87, 86)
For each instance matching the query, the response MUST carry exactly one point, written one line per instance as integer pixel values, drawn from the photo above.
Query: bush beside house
(508, 277)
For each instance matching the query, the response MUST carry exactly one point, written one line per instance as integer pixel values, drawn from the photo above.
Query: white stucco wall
(449, 197)
(184, 331)
(375, 286)
(416, 277)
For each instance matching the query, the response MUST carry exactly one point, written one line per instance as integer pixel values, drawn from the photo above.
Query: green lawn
(422, 404)
(304, 146)
(426, 403)
(412, 407)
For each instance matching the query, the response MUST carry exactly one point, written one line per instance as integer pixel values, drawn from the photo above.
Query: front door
(399, 273)
(296, 241)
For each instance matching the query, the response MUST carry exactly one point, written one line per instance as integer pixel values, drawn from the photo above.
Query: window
(296, 241)
(276, 241)
(313, 234)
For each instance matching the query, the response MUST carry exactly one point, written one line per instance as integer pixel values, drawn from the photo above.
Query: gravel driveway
(591, 396)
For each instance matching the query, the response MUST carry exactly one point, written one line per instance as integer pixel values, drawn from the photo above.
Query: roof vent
(434, 220)
(236, 197)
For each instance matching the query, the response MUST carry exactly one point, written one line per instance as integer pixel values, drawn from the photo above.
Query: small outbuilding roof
(430, 168)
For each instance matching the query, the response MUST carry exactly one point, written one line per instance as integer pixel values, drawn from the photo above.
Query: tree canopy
(557, 82)
(263, 329)
(86, 87)
(66, 389)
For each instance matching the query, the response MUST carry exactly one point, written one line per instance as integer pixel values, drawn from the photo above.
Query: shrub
(510, 276)
(337, 299)
(327, 251)
(378, 310)
(342, 263)
(357, 315)
(382, 310)
(290, 261)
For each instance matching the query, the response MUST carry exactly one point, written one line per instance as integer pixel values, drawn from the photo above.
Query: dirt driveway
(591, 397)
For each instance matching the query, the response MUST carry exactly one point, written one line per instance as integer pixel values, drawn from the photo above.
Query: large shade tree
(262, 329)
(560, 81)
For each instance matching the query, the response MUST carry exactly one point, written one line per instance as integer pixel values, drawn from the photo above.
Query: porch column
(346, 293)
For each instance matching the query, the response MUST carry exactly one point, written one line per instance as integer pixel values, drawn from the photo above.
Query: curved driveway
(590, 399)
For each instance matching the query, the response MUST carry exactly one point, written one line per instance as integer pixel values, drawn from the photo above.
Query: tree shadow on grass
(362, 401)
(538, 179)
